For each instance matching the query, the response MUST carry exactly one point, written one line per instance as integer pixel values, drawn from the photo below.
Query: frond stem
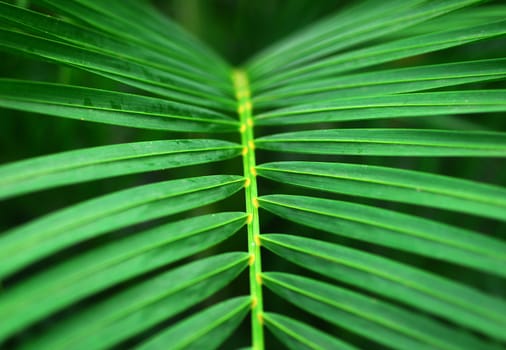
(244, 109)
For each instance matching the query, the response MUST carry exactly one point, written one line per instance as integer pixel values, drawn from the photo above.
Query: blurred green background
(237, 30)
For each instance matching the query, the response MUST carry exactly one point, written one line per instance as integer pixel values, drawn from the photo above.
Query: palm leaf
(395, 106)
(358, 25)
(391, 229)
(150, 79)
(297, 335)
(382, 53)
(81, 36)
(214, 325)
(110, 107)
(110, 264)
(389, 142)
(392, 185)
(385, 323)
(41, 237)
(108, 161)
(127, 26)
(379, 244)
(383, 82)
(394, 281)
(160, 297)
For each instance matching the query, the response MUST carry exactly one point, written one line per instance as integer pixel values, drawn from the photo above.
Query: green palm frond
(364, 147)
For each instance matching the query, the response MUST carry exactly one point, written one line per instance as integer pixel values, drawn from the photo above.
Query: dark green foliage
(364, 153)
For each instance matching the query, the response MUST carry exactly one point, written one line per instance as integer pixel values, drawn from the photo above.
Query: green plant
(377, 269)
